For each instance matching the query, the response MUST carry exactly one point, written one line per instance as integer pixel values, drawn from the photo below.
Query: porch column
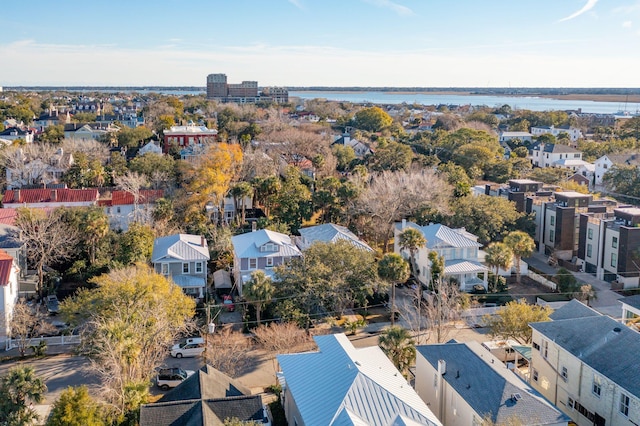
(485, 280)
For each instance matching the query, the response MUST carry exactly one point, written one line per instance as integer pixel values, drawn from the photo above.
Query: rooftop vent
(515, 397)
(617, 330)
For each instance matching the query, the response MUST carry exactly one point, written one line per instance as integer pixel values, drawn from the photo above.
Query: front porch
(467, 273)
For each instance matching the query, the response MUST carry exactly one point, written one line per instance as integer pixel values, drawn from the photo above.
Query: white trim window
(253, 263)
(185, 267)
(164, 269)
(596, 388)
(269, 262)
(624, 405)
(198, 267)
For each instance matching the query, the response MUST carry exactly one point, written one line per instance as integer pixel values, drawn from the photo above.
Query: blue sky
(433, 43)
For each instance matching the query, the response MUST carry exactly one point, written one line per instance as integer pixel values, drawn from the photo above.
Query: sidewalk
(607, 301)
(51, 350)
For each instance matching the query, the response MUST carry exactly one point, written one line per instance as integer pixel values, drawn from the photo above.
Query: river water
(532, 103)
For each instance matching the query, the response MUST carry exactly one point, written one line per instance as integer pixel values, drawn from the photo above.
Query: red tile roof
(8, 216)
(121, 198)
(29, 196)
(6, 262)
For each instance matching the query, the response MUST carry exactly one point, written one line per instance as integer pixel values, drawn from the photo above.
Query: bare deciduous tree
(48, 238)
(28, 164)
(282, 338)
(133, 183)
(92, 149)
(227, 351)
(27, 322)
(391, 196)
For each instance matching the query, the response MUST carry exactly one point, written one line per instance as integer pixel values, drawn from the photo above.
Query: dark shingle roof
(573, 309)
(209, 397)
(602, 343)
(486, 390)
(559, 149)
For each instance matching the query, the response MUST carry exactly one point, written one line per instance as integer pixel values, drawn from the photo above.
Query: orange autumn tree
(212, 174)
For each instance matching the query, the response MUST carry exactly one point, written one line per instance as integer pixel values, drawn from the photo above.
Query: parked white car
(187, 349)
(172, 377)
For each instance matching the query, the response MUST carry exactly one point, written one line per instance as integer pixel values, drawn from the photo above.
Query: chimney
(16, 196)
(254, 226)
(201, 241)
(442, 367)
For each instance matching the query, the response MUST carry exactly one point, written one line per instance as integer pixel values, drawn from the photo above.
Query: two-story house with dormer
(459, 248)
(183, 258)
(260, 251)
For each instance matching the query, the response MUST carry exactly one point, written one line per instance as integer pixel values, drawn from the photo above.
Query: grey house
(183, 258)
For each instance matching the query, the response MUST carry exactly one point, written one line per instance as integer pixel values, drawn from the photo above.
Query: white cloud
(396, 7)
(587, 7)
(627, 24)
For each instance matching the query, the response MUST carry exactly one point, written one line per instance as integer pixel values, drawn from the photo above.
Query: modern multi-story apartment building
(246, 92)
(587, 366)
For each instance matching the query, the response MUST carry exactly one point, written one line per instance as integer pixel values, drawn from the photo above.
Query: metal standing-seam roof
(488, 387)
(463, 267)
(57, 195)
(330, 233)
(180, 247)
(6, 263)
(441, 236)
(602, 343)
(343, 385)
(248, 244)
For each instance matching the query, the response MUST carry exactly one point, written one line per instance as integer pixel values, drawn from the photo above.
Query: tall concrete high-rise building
(217, 86)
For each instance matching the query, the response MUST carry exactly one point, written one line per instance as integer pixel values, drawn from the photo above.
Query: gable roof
(488, 387)
(624, 159)
(441, 236)
(597, 341)
(180, 247)
(573, 309)
(363, 388)
(47, 195)
(208, 397)
(248, 244)
(557, 148)
(330, 233)
(6, 262)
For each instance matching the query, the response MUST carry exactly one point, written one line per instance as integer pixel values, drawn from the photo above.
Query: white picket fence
(542, 280)
(51, 341)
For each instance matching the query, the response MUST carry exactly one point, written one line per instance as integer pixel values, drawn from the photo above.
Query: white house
(606, 163)
(588, 367)
(9, 272)
(460, 249)
(183, 258)
(551, 155)
(574, 133)
(522, 136)
(361, 149)
(151, 146)
(343, 385)
(15, 133)
(121, 208)
(465, 385)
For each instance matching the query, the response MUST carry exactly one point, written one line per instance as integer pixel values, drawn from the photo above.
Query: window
(596, 387)
(624, 404)
(545, 348)
(269, 262)
(534, 375)
(118, 210)
(589, 250)
(590, 233)
(565, 373)
(552, 220)
(164, 268)
(198, 267)
(576, 155)
(185, 268)
(614, 260)
(614, 242)
(570, 402)
(552, 235)
(253, 263)
(536, 346)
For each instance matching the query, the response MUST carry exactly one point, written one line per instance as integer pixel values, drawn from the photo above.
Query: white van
(187, 349)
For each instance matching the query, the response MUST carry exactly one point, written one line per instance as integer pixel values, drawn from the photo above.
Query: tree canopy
(372, 119)
(512, 320)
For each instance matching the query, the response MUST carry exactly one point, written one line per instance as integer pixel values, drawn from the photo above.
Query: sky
(377, 43)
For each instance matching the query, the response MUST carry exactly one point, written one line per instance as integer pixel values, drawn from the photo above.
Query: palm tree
(498, 255)
(522, 245)
(240, 192)
(96, 227)
(399, 346)
(411, 239)
(393, 269)
(20, 387)
(259, 291)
